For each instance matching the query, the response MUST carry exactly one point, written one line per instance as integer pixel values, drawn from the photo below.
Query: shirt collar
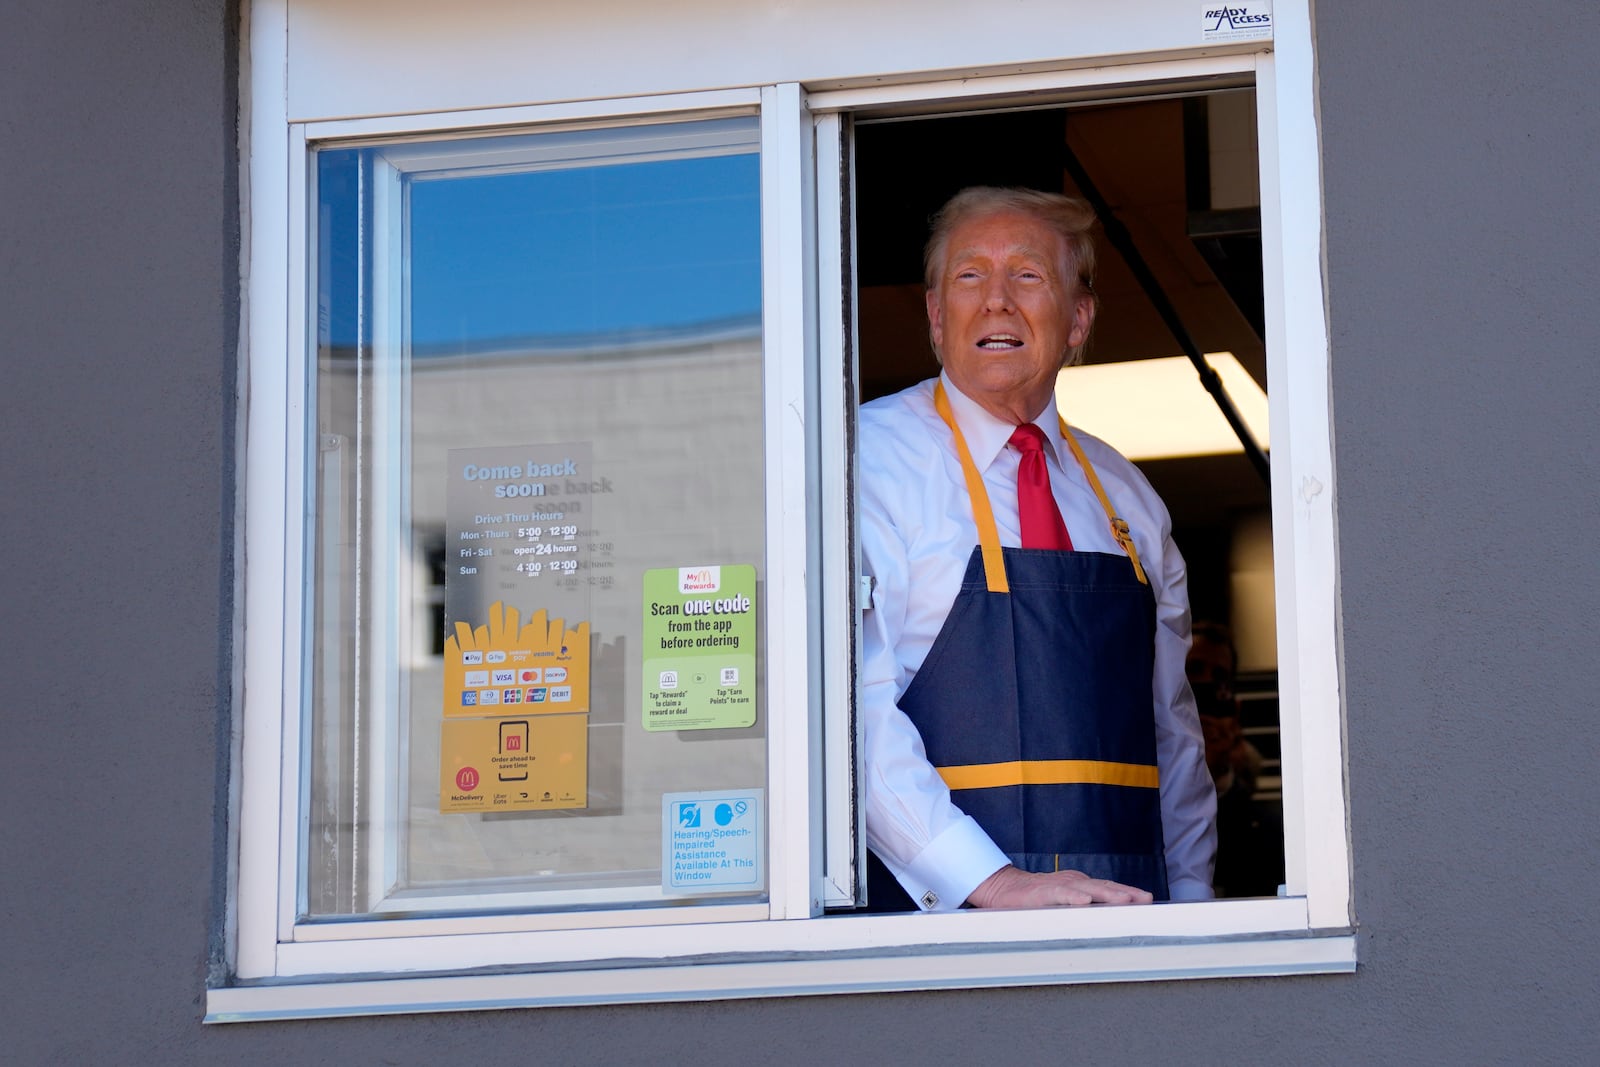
(988, 436)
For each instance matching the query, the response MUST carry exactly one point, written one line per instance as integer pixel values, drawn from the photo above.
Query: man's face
(1005, 310)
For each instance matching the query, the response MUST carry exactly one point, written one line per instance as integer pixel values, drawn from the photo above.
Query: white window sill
(847, 954)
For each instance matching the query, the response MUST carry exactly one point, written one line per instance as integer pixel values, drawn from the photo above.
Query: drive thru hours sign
(713, 842)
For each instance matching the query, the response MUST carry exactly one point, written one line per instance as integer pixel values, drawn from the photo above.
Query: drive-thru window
(552, 586)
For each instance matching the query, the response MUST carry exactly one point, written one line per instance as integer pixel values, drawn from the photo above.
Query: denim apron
(1034, 703)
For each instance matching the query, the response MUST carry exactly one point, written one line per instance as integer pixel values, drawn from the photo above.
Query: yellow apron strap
(994, 567)
(1119, 526)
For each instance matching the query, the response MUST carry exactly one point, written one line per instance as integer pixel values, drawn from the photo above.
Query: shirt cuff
(1189, 889)
(945, 873)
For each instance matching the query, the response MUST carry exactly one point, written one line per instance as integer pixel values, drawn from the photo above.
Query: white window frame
(281, 969)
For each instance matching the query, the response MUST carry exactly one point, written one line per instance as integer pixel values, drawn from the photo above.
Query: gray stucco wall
(1458, 160)
(118, 301)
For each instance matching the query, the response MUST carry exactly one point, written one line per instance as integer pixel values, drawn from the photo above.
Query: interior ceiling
(1134, 153)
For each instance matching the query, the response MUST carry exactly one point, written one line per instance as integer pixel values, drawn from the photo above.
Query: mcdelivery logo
(699, 579)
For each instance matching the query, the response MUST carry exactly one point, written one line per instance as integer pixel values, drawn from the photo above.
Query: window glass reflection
(538, 387)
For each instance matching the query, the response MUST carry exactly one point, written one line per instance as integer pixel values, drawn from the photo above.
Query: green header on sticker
(700, 648)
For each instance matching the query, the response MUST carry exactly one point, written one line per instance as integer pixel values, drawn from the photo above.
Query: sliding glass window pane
(534, 627)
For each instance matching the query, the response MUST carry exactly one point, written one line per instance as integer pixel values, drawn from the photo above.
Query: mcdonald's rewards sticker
(699, 647)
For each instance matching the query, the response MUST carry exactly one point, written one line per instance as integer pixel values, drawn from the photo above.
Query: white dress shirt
(917, 533)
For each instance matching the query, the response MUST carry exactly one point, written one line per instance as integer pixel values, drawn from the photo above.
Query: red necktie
(1036, 505)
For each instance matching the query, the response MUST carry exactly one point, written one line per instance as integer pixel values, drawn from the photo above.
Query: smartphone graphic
(514, 742)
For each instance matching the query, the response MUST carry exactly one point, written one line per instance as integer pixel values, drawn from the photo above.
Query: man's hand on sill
(1012, 888)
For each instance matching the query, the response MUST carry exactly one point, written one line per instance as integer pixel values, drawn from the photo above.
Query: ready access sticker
(713, 842)
(1224, 22)
(700, 647)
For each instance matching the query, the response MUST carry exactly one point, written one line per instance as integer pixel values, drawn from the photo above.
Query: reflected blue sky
(585, 254)
(584, 251)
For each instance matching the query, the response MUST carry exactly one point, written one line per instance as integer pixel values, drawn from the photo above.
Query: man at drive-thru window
(1030, 736)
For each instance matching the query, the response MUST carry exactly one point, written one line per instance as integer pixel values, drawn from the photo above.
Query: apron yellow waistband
(1050, 772)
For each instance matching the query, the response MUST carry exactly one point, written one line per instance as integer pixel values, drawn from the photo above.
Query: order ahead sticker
(535, 763)
(700, 648)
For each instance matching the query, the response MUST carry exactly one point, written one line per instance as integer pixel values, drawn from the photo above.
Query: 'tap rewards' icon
(688, 816)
